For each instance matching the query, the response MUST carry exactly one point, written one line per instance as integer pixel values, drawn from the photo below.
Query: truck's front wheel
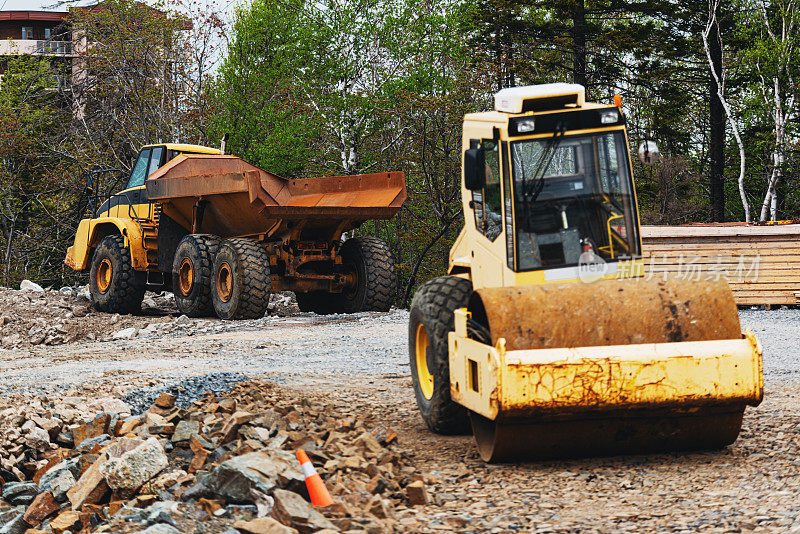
(115, 287)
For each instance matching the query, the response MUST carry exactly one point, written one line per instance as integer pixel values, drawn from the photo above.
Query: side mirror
(474, 169)
(649, 153)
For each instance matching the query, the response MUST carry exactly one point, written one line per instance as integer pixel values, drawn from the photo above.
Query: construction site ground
(52, 343)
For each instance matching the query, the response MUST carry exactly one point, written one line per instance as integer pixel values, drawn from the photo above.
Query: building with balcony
(60, 38)
(36, 33)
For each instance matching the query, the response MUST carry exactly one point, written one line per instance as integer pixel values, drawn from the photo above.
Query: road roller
(546, 337)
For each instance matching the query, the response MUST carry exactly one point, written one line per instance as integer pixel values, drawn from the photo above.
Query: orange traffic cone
(316, 487)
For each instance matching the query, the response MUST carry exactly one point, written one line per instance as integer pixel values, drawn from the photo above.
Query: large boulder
(263, 471)
(131, 469)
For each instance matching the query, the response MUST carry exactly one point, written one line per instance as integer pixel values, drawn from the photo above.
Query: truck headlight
(526, 125)
(609, 116)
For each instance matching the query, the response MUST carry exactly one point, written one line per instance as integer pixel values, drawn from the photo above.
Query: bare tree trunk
(716, 127)
(712, 19)
(781, 111)
(7, 255)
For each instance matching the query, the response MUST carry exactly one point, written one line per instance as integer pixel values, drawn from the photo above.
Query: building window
(48, 33)
(27, 32)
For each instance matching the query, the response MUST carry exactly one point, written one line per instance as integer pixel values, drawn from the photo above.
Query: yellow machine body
(496, 382)
(130, 214)
(584, 360)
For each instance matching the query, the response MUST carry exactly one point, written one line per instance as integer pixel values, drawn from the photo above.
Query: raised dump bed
(261, 232)
(761, 263)
(226, 196)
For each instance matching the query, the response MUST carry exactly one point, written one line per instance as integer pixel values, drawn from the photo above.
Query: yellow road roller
(546, 336)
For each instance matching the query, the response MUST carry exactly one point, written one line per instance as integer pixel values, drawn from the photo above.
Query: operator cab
(133, 198)
(153, 157)
(560, 185)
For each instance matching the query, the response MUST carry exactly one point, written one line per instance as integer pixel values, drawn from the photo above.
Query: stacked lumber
(761, 263)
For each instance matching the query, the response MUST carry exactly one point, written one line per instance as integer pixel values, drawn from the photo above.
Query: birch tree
(713, 9)
(774, 56)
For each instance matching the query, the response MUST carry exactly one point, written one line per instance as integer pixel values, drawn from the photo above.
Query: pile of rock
(227, 461)
(34, 316)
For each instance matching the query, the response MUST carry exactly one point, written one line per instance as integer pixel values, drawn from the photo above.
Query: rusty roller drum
(611, 312)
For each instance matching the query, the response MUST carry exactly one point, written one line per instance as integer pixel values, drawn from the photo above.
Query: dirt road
(361, 361)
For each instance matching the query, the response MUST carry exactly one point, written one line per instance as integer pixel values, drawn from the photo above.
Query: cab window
(139, 172)
(155, 160)
(488, 202)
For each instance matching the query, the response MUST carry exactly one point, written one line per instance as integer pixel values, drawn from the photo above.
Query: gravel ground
(290, 349)
(779, 333)
(361, 361)
(287, 347)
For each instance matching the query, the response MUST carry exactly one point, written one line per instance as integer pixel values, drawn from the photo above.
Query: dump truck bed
(226, 196)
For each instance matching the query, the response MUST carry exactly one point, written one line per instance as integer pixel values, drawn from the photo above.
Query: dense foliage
(337, 87)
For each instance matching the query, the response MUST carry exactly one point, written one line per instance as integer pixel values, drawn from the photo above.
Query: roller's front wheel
(431, 320)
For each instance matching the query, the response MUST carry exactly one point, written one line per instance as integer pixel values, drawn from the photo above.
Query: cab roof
(502, 117)
(180, 147)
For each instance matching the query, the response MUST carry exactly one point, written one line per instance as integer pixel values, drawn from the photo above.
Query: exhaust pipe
(223, 143)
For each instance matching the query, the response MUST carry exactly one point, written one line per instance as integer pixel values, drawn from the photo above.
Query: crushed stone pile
(224, 464)
(55, 317)
(34, 316)
(186, 390)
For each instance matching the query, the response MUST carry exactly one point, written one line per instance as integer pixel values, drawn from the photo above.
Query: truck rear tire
(114, 286)
(241, 280)
(370, 259)
(431, 320)
(193, 274)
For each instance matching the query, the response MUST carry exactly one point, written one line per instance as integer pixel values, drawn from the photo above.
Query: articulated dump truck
(224, 234)
(545, 336)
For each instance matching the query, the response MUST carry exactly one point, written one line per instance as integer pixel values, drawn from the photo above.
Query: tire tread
(381, 283)
(126, 295)
(436, 300)
(254, 278)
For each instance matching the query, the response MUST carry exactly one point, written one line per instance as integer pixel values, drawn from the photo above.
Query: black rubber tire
(433, 306)
(376, 281)
(319, 302)
(199, 250)
(126, 289)
(250, 275)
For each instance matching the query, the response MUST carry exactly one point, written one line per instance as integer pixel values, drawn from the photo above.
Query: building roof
(33, 15)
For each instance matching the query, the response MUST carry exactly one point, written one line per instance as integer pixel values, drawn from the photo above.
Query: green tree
(37, 181)
(256, 98)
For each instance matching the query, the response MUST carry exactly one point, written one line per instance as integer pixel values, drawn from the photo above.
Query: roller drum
(608, 312)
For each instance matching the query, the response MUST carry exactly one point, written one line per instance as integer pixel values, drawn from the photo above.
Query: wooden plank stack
(761, 263)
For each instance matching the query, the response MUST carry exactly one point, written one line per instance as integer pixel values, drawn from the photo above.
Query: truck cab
(132, 199)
